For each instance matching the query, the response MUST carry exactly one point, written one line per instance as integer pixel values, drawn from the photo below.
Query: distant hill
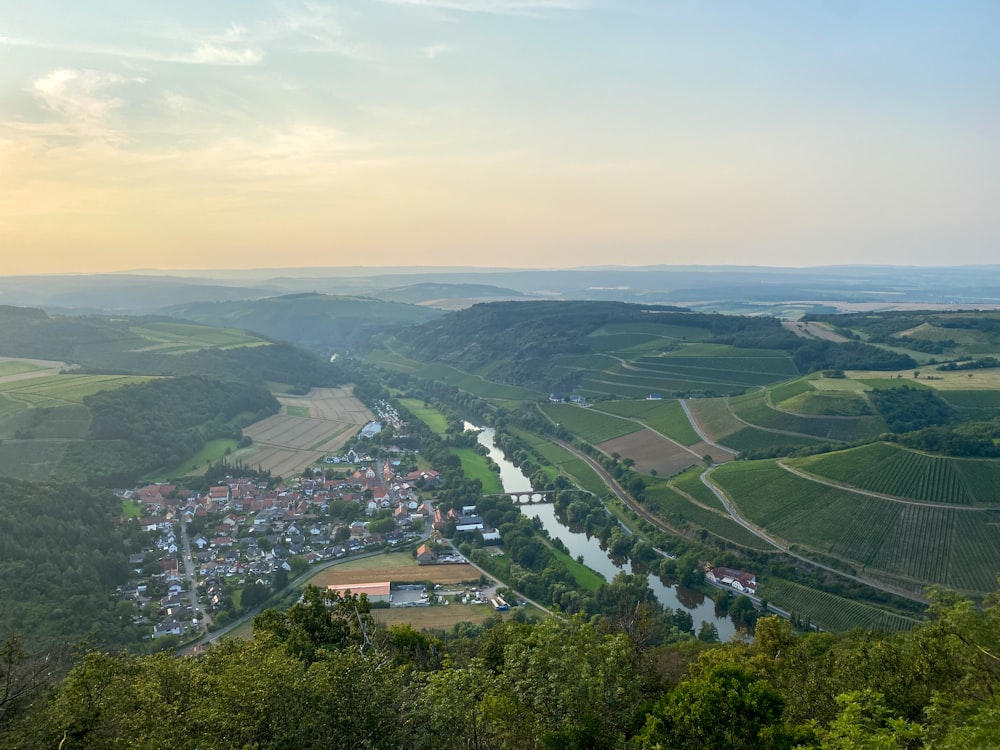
(314, 320)
(448, 296)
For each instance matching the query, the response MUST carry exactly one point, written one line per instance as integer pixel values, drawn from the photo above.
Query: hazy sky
(241, 133)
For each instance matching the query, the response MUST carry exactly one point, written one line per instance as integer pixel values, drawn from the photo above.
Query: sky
(499, 133)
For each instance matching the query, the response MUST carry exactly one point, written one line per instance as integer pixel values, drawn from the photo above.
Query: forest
(323, 674)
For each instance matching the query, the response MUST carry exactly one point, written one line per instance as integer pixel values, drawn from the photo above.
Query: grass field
(664, 416)
(588, 424)
(957, 547)
(213, 451)
(67, 421)
(690, 482)
(585, 577)
(18, 366)
(892, 470)
(566, 463)
(829, 611)
(430, 416)
(474, 466)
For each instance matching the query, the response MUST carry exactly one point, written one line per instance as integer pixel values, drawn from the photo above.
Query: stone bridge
(528, 497)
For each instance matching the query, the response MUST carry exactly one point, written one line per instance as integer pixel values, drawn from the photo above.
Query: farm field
(588, 424)
(651, 452)
(435, 618)
(178, 338)
(68, 421)
(690, 482)
(55, 390)
(923, 544)
(892, 470)
(829, 611)
(930, 377)
(285, 445)
(664, 416)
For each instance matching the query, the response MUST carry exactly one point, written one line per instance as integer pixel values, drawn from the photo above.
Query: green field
(588, 424)
(664, 416)
(690, 482)
(435, 420)
(55, 390)
(892, 470)
(923, 544)
(829, 611)
(296, 411)
(584, 576)
(178, 338)
(474, 466)
(17, 367)
(678, 511)
(566, 463)
(213, 451)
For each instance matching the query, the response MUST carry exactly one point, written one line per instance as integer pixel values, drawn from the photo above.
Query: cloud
(497, 7)
(434, 51)
(216, 54)
(82, 100)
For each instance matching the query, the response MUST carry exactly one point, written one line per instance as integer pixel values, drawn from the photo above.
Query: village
(217, 553)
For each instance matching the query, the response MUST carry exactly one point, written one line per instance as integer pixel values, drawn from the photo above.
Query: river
(578, 543)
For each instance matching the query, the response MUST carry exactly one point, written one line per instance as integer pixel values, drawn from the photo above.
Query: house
(425, 555)
(740, 580)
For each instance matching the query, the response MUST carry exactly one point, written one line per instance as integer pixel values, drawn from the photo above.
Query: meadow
(474, 466)
(434, 419)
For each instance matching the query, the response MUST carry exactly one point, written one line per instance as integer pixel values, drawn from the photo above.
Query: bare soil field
(392, 568)
(652, 451)
(285, 445)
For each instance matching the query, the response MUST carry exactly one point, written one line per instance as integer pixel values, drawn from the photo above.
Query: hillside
(328, 322)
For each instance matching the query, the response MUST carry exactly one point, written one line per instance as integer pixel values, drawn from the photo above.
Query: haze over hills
(787, 292)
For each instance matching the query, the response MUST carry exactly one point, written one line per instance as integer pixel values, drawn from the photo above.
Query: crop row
(829, 611)
(891, 470)
(928, 543)
(758, 412)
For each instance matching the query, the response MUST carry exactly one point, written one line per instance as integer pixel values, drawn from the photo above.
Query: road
(204, 618)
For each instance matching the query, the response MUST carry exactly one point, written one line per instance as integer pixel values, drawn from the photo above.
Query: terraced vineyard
(829, 611)
(892, 470)
(715, 419)
(690, 482)
(755, 409)
(912, 542)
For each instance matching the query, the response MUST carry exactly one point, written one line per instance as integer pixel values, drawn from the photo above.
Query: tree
(708, 632)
